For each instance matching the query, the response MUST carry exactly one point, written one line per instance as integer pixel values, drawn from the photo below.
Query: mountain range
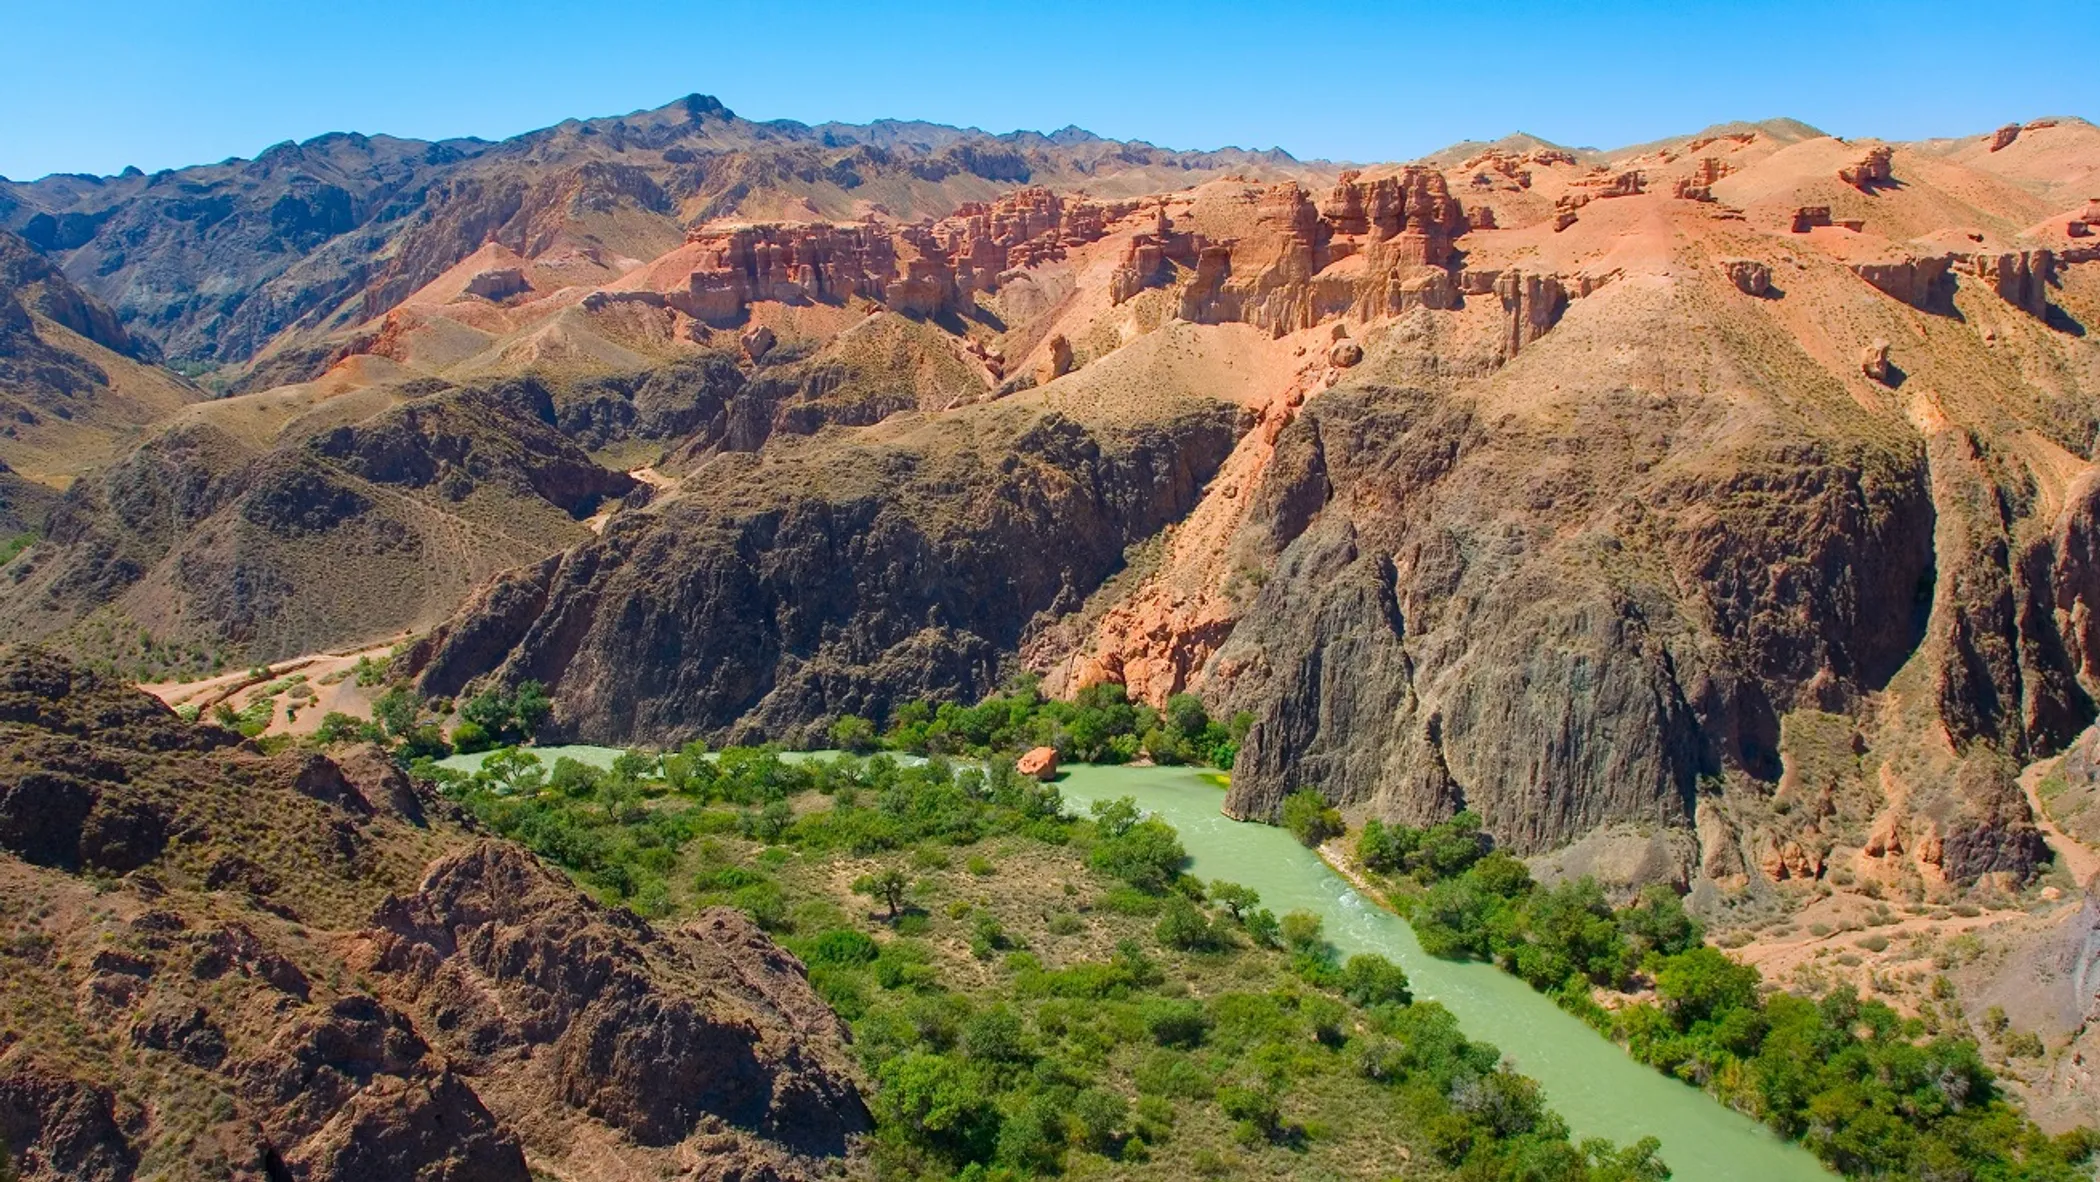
(1719, 511)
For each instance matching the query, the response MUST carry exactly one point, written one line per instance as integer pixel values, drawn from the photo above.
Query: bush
(1176, 1023)
(1308, 817)
(853, 733)
(468, 738)
(1183, 925)
(1371, 980)
(1146, 854)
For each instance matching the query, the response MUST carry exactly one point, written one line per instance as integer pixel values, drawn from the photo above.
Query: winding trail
(2075, 855)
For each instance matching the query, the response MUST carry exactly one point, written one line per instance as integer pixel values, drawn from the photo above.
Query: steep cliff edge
(835, 573)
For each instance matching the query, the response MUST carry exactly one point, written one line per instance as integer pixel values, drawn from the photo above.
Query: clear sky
(94, 85)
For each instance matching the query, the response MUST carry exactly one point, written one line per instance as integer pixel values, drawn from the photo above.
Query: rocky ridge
(298, 966)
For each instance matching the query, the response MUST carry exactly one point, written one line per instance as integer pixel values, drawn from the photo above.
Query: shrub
(1308, 817)
(1183, 925)
(853, 733)
(1176, 1023)
(1370, 980)
(468, 738)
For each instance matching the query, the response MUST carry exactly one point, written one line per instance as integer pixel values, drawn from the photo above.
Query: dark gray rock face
(1458, 625)
(831, 575)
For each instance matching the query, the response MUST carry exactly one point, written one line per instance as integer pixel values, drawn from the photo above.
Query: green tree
(940, 1104)
(1147, 855)
(1237, 900)
(396, 710)
(1310, 820)
(1702, 983)
(1183, 925)
(530, 706)
(468, 737)
(888, 886)
(1302, 931)
(1371, 980)
(514, 771)
(1102, 1116)
(853, 733)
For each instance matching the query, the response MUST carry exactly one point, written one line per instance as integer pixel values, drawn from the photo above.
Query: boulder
(1039, 762)
(1345, 353)
(1057, 363)
(757, 341)
(1750, 276)
(1874, 362)
(499, 284)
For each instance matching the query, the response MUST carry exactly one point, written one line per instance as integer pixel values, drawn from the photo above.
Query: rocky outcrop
(1914, 280)
(1057, 360)
(757, 342)
(2020, 278)
(1874, 362)
(922, 269)
(1808, 217)
(2003, 138)
(1397, 660)
(1039, 762)
(1750, 276)
(336, 1012)
(765, 602)
(1870, 171)
(1531, 305)
(647, 1032)
(499, 284)
(1402, 227)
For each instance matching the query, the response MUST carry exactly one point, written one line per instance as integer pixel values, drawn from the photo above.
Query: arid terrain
(1720, 512)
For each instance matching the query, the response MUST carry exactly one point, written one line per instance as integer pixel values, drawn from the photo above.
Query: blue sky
(94, 85)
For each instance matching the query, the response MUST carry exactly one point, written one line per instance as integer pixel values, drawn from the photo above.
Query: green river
(1587, 1079)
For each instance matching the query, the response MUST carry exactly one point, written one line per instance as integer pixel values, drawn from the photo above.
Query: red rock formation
(1624, 184)
(1058, 363)
(1871, 170)
(2021, 278)
(1689, 189)
(1750, 276)
(1915, 281)
(1736, 137)
(1402, 226)
(757, 342)
(2004, 136)
(1532, 304)
(499, 284)
(1808, 217)
(921, 270)
(1039, 762)
(1874, 362)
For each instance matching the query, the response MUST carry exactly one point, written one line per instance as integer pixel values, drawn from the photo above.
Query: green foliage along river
(1592, 1083)
(1588, 1080)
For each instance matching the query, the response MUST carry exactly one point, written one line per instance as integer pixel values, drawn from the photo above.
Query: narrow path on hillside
(2074, 855)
